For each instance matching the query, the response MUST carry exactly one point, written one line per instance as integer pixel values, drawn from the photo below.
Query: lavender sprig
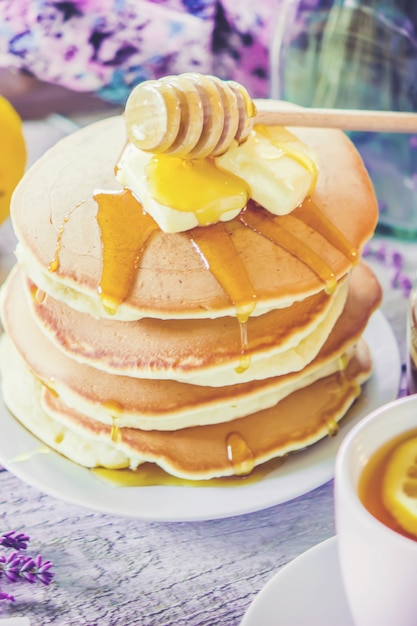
(10, 566)
(37, 570)
(6, 596)
(17, 566)
(12, 540)
(394, 261)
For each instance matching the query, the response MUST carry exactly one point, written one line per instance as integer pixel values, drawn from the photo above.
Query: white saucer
(306, 592)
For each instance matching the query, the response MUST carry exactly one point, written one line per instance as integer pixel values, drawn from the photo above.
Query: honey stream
(216, 249)
(125, 231)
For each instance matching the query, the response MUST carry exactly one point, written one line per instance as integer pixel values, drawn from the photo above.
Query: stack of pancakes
(117, 353)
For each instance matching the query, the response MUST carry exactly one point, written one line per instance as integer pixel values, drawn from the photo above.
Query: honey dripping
(239, 454)
(115, 433)
(338, 387)
(216, 249)
(54, 264)
(115, 410)
(37, 294)
(50, 385)
(125, 231)
(309, 213)
(333, 386)
(245, 359)
(59, 437)
(278, 230)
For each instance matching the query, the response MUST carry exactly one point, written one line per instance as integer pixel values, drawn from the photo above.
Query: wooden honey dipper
(194, 115)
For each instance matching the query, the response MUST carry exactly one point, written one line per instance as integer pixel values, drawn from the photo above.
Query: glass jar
(358, 54)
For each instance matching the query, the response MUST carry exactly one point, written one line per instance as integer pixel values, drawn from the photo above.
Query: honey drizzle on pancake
(278, 230)
(245, 359)
(125, 231)
(215, 247)
(54, 264)
(309, 213)
(338, 387)
(239, 454)
(115, 409)
(115, 434)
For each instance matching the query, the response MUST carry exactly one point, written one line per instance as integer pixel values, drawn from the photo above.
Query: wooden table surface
(114, 571)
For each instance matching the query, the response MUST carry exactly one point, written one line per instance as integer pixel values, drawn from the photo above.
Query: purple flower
(6, 596)
(11, 540)
(41, 570)
(27, 569)
(10, 566)
(394, 261)
(17, 566)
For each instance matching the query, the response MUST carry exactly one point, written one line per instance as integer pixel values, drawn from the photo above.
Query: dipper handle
(194, 116)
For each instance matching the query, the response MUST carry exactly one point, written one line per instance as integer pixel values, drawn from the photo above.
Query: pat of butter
(277, 166)
(272, 166)
(180, 194)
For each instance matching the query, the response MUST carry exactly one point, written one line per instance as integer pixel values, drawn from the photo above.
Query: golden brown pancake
(191, 350)
(200, 452)
(54, 214)
(203, 452)
(167, 405)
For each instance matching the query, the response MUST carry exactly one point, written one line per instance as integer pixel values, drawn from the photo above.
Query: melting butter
(291, 147)
(195, 186)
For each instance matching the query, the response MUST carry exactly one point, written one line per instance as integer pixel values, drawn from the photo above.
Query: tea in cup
(376, 515)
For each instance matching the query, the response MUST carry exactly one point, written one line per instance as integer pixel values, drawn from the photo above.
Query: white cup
(378, 565)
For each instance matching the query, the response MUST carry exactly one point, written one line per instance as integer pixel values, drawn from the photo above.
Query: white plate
(301, 473)
(308, 590)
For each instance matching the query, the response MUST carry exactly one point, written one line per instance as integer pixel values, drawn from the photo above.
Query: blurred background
(68, 62)
(357, 55)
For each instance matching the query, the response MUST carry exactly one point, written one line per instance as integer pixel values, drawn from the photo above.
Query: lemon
(399, 486)
(12, 154)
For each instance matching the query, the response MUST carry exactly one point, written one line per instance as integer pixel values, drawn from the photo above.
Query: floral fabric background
(107, 46)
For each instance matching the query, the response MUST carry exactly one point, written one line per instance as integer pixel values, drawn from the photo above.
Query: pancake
(201, 452)
(193, 351)
(54, 213)
(167, 405)
(21, 392)
(206, 352)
